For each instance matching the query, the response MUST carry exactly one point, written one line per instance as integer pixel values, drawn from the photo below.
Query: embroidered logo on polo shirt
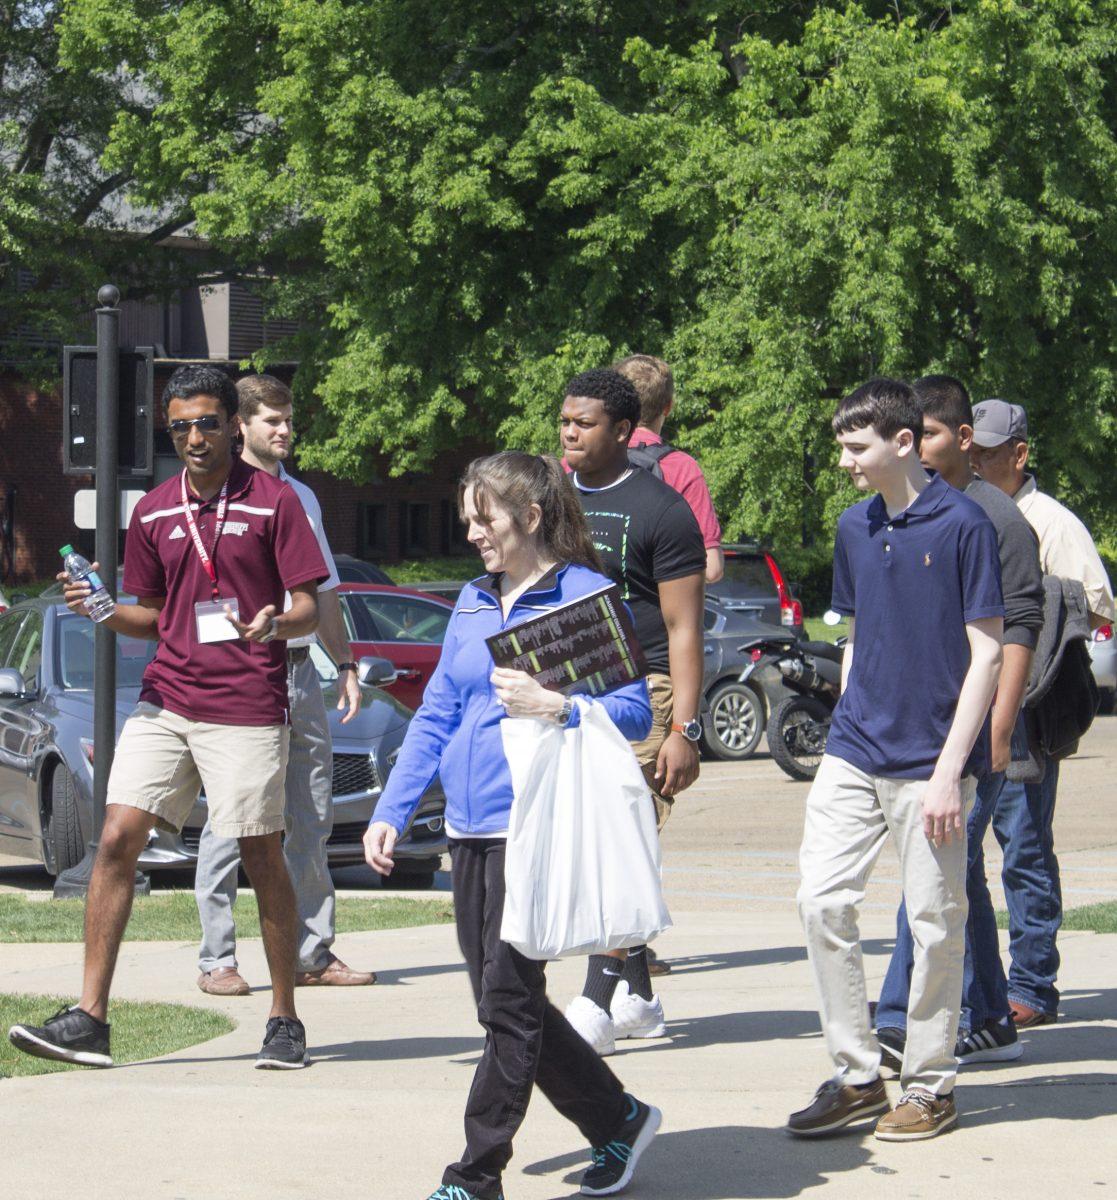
(236, 528)
(178, 532)
(927, 560)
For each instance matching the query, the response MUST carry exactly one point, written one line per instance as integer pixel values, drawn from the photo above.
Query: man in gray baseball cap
(996, 422)
(1025, 811)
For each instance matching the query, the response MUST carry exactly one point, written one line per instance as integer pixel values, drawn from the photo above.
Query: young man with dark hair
(655, 385)
(915, 571)
(218, 543)
(651, 546)
(986, 1032)
(264, 417)
(1025, 814)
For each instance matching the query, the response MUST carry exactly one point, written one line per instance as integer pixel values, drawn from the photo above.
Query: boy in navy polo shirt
(917, 572)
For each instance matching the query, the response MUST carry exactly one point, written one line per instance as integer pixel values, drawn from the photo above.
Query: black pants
(527, 1039)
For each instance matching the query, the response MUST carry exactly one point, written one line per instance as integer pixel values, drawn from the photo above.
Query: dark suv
(753, 580)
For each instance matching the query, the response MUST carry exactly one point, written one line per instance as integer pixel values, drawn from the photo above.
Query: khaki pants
(849, 814)
(647, 751)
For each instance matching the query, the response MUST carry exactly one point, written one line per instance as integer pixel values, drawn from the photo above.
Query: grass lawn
(139, 1030)
(1092, 918)
(173, 917)
(819, 631)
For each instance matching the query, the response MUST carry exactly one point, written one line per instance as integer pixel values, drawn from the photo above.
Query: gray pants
(310, 819)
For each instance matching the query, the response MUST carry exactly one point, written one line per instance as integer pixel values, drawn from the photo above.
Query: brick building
(387, 520)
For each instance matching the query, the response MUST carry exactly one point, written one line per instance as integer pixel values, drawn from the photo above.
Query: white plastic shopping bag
(582, 869)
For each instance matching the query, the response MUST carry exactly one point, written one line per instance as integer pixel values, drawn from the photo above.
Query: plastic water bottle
(99, 604)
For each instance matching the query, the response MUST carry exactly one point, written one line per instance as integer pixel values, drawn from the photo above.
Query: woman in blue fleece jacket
(524, 519)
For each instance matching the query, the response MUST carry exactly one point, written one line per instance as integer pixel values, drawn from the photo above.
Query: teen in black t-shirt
(650, 544)
(646, 535)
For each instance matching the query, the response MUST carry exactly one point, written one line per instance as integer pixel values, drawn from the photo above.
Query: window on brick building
(373, 531)
(453, 530)
(415, 529)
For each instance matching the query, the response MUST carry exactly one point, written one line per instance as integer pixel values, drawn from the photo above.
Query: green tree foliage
(466, 203)
(66, 223)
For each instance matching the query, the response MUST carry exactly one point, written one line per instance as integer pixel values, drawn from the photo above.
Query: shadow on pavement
(390, 978)
(1041, 1098)
(728, 1028)
(395, 1049)
(765, 956)
(728, 1162)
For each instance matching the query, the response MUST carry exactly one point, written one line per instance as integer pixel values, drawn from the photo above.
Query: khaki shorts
(164, 760)
(647, 751)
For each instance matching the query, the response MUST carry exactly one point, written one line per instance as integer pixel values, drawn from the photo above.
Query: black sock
(602, 977)
(636, 973)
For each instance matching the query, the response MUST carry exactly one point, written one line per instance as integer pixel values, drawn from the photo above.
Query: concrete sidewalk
(380, 1111)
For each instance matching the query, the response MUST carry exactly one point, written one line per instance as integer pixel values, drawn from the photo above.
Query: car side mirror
(11, 684)
(376, 672)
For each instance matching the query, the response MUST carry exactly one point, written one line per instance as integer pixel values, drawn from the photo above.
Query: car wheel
(1105, 701)
(67, 846)
(735, 723)
(419, 881)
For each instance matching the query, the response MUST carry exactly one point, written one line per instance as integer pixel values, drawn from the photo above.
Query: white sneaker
(593, 1023)
(635, 1017)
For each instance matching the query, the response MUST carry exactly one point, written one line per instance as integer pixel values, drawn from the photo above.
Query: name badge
(212, 622)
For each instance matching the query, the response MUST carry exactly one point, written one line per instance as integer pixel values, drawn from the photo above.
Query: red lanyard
(207, 559)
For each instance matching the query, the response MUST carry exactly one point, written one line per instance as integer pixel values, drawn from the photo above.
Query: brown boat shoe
(334, 974)
(918, 1116)
(836, 1105)
(223, 981)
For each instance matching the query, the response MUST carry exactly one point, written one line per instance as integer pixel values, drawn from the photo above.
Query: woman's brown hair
(515, 481)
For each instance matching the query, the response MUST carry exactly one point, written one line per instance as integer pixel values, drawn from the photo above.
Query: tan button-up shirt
(1066, 548)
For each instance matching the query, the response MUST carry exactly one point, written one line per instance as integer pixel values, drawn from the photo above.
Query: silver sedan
(46, 751)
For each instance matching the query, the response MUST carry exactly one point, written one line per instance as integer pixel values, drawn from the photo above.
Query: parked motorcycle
(798, 725)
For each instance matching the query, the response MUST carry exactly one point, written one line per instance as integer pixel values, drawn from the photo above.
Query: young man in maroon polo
(209, 556)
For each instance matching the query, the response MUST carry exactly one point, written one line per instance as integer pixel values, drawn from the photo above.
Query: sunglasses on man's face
(207, 424)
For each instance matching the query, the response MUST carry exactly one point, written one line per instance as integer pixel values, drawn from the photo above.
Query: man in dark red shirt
(209, 556)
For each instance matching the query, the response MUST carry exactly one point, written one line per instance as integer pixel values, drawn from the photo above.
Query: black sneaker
(284, 1047)
(892, 1042)
(71, 1035)
(451, 1191)
(996, 1042)
(614, 1162)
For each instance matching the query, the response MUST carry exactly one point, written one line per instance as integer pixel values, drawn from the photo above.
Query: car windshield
(76, 655)
(403, 618)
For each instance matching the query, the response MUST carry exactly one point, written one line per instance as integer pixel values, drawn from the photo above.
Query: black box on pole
(79, 411)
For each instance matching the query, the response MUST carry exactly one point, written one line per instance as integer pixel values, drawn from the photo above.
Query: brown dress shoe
(657, 966)
(223, 981)
(334, 974)
(1026, 1017)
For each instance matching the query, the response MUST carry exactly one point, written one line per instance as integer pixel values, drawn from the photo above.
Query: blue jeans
(1022, 823)
(984, 988)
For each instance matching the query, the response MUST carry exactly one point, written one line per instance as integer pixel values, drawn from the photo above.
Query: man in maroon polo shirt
(209, 556)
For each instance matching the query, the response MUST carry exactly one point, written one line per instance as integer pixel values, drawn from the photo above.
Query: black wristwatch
(346, 667)
(563, 715)
(691, 730)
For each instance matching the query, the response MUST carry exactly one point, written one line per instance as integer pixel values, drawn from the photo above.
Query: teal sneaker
(614, 1163)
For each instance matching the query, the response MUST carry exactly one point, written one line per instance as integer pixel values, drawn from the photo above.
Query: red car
(399, 624)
